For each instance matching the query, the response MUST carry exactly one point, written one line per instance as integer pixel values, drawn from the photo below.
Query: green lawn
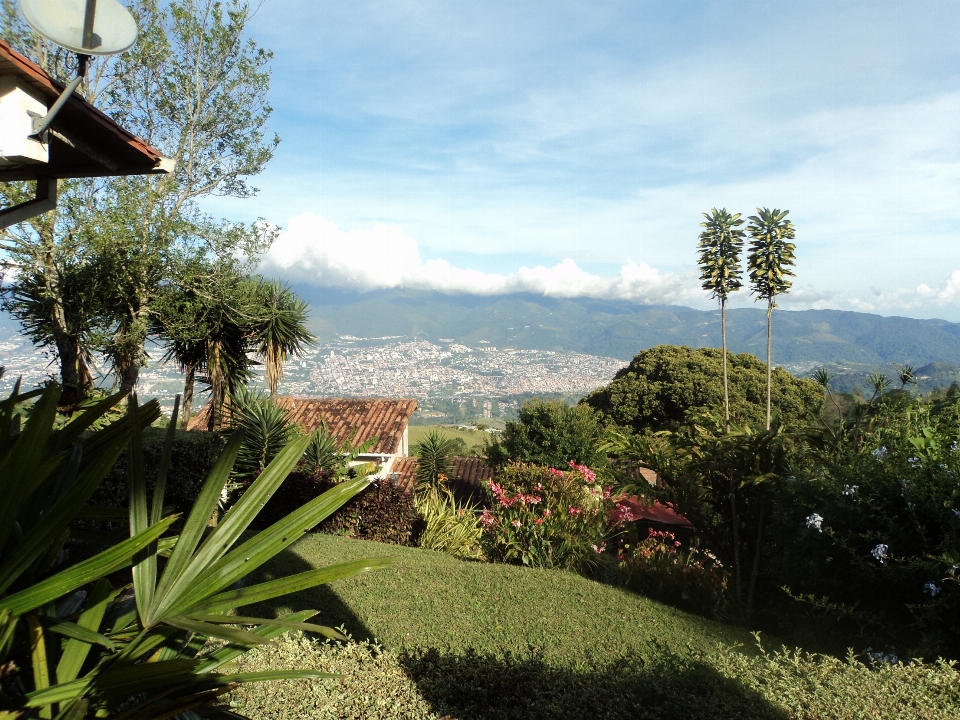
(473, 438)
(445, 637)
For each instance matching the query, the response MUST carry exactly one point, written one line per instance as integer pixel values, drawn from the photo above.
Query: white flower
(956, 512)
(931, 588)
(914, 462)
(850, 489)
(792, 479)
(880, 453)
(815, 521)
(880, 552)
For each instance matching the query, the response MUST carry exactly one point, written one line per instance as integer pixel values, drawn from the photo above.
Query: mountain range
(802, 339)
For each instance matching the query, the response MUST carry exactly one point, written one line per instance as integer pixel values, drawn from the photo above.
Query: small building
(353, 420)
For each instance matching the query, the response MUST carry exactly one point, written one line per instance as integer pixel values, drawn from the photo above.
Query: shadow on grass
(332, 611)
(483, 687)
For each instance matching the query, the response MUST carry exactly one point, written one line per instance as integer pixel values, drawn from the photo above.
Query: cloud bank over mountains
(315, 251)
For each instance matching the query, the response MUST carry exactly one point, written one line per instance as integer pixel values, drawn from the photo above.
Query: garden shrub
(383, 512)
(661, 567)
(869, 540)
(449, 526)
(191, 460)
(544, 517)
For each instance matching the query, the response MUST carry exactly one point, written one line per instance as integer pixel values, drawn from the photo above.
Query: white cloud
(316, 251)
(949, 289)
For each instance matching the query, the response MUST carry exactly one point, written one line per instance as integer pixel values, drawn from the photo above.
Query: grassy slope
(477, 641)
(428, 599)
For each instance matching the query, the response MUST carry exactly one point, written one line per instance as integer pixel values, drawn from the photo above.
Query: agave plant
(76, 643)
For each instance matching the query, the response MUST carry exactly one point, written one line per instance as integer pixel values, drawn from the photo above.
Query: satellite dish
(88, 27)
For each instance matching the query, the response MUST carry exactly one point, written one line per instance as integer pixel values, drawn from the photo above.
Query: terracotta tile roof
(468, 470)
(380, 417)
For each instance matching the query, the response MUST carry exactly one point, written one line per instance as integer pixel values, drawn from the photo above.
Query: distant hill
(802, 339)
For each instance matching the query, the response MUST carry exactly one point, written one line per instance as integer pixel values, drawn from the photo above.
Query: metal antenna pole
(89, 14)
(41, 125)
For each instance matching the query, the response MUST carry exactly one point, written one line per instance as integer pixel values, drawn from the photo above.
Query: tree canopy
(663, 384)
(550, 433)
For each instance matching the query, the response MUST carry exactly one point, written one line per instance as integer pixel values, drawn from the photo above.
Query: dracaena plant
(76, 643)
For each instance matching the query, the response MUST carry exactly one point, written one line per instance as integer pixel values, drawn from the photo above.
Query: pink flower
(575, 510)
(598, 550)
(676, 544)
(516, 523)
(554, 471)
(547, 512)
(606, 493)
(538, 521)
(487, 519)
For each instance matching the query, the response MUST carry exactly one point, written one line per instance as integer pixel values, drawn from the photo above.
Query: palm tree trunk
(756, 562)
(769, 348)
(735, 521)
(188, 383)
(723, 342)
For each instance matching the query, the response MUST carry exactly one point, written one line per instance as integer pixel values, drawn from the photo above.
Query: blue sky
(570, 147)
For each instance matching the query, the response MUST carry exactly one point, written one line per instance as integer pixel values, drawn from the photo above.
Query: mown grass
(473, 438)
(443, 637)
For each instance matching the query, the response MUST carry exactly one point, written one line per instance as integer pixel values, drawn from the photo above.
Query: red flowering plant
(545, 517)
(662, 567)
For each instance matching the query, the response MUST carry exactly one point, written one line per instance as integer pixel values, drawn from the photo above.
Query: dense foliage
(192, 457)
(549, 433)
(93, 624)
(382, 512)
(661, 386)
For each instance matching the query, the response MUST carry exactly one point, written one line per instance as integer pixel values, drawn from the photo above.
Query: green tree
(550, 433)
(280, 330)
(720, 246)
(194, 88)
(769, 263)
(662, 386)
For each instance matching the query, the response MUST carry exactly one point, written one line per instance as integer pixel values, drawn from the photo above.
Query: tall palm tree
(720, 246)
(769, 263)
(280, 330)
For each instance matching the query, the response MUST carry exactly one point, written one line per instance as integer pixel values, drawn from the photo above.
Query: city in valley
(453, 382)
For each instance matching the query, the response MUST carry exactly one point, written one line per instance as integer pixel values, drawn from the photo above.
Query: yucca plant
(451, 527)
(326, 454)
(436, 457)
(267, 429)
(77, 643)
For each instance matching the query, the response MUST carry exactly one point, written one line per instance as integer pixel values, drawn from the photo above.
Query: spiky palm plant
(769, 262)
(436, 457)
(720, 246)
(280, 330)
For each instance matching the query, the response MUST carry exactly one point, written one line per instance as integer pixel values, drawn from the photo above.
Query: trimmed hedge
(191, 460)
